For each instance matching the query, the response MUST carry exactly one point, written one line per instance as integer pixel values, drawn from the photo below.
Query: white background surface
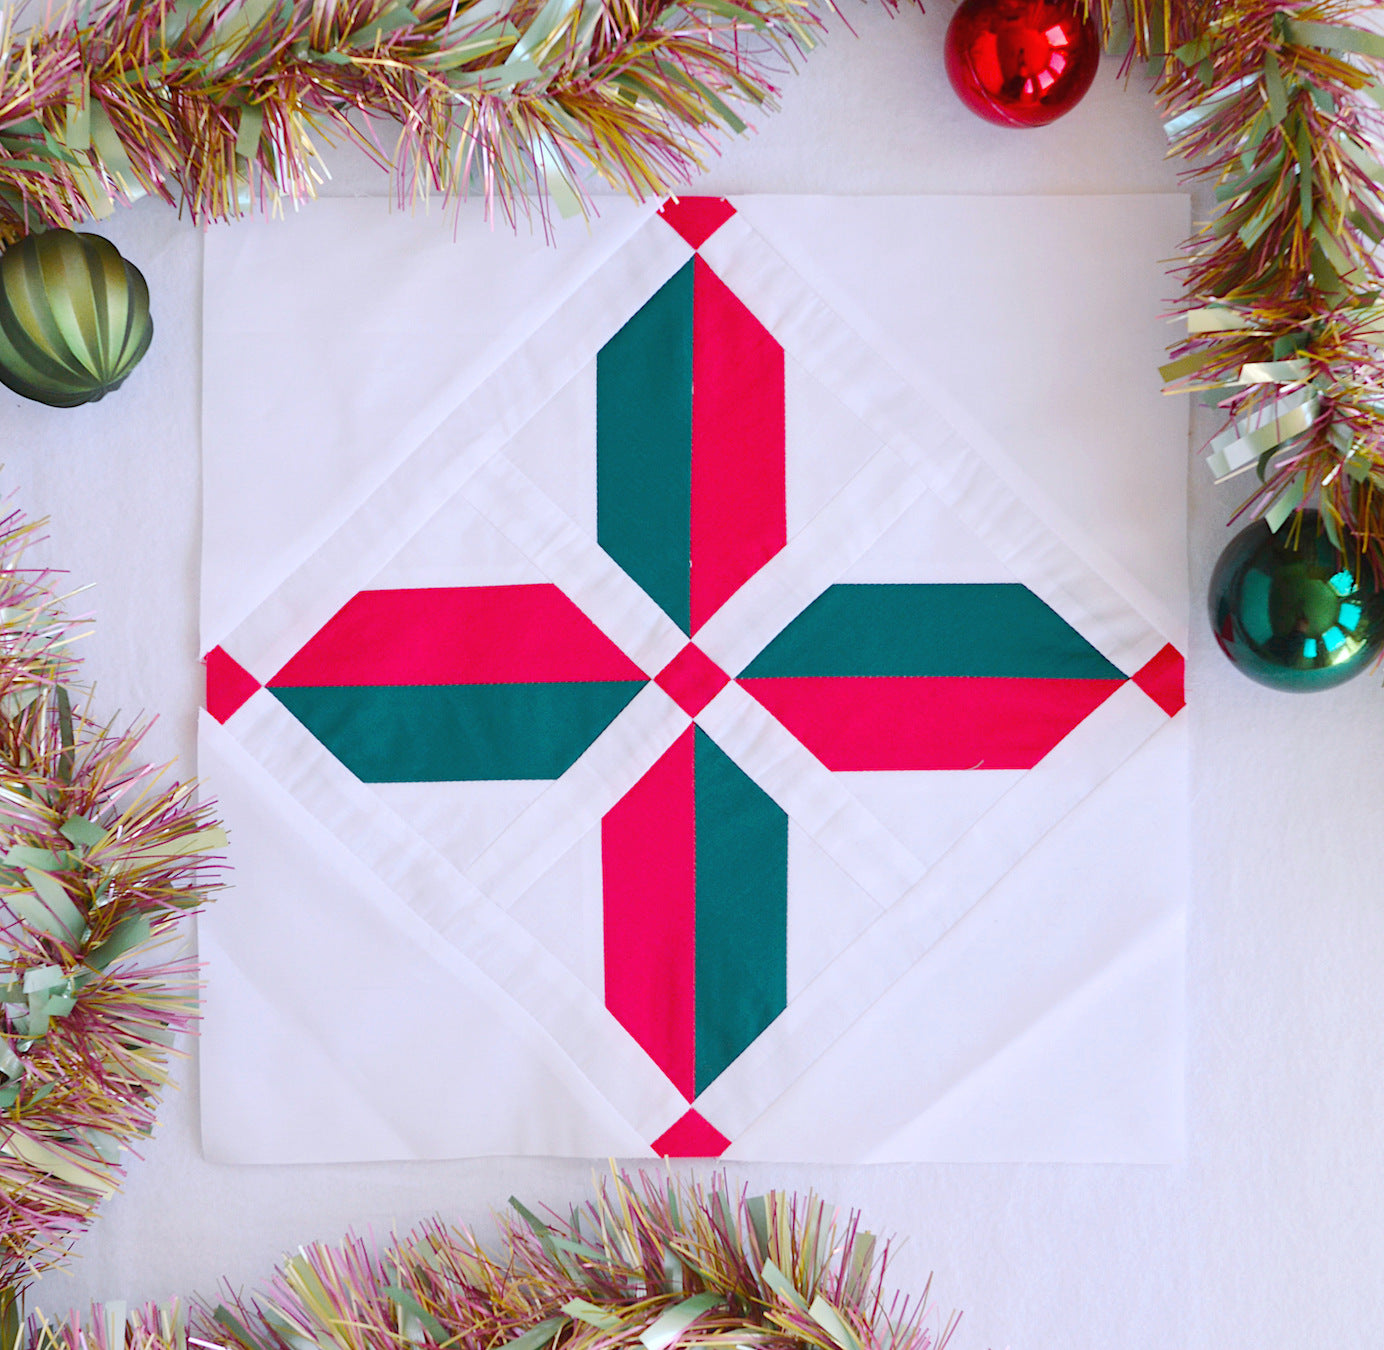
(1269, 1232)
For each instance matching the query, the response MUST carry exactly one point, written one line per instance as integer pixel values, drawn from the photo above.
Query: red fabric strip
(649, 865)
(1162, 679)
(229, 684)
(692, 1136)
(458, 635)
(856, 723)
(739, 516)
(696, 218)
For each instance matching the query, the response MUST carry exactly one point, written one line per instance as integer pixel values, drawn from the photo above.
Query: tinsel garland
(98, 863)
(216, 105)
(1278, 105)
(651, 1263)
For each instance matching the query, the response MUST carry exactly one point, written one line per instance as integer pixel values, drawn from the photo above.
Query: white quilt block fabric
(710, 687)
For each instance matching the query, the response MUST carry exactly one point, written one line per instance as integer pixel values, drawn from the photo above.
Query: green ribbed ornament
(74, 317)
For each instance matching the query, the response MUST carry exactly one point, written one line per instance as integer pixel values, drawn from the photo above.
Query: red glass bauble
(1021, 63)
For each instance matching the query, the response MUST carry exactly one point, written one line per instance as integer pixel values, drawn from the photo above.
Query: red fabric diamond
(1161, 680)
(696, 218)
(229, 684)
(691, 1137)
(692, 679)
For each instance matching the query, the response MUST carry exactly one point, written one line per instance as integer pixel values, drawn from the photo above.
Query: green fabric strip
(742, 910)
(1000, 629)
(644, 447)
(450, 732)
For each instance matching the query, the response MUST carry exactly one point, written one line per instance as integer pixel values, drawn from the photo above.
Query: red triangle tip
(696, 218)
(691, 1136)
(1162, 680)
(229, 684)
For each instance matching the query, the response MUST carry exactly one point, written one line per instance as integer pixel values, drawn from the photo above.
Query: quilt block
(665, 718)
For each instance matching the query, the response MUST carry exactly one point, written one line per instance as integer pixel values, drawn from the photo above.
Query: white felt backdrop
(1270, 1229)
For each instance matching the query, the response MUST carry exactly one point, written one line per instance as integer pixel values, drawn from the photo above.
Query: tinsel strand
(221, 105)
(1278, 106)
(99, 862)
(651, 1263)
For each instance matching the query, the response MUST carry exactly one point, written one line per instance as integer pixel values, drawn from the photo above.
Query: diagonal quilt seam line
(785, 572)
(976, 824)
(1154, 729)
(888, 436)
(883, 445)
(321, 829)
(1141, 947)
(348, 1076)
(985, 447)
(495, 869)
(814, 833)
(787, 562)
(427, 423)
(351, 1079)
(667, 639)
(502, 933)
(727, 247)
(772, 565)
(1025, 551)
(421, 849)
(902, 956)
(810, 831)
(536, 961)
(1058, 587)
(263, 656)
(817, 833)
(449, 953)
(379, 513)
(904, 959)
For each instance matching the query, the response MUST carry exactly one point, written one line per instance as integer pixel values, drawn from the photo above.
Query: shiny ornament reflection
(1290, 613)
(1021, 63)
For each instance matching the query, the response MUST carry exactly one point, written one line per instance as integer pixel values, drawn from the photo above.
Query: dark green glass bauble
(74, 317)
(1295, 615)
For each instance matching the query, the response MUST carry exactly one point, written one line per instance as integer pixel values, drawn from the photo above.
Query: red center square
(692, 679)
